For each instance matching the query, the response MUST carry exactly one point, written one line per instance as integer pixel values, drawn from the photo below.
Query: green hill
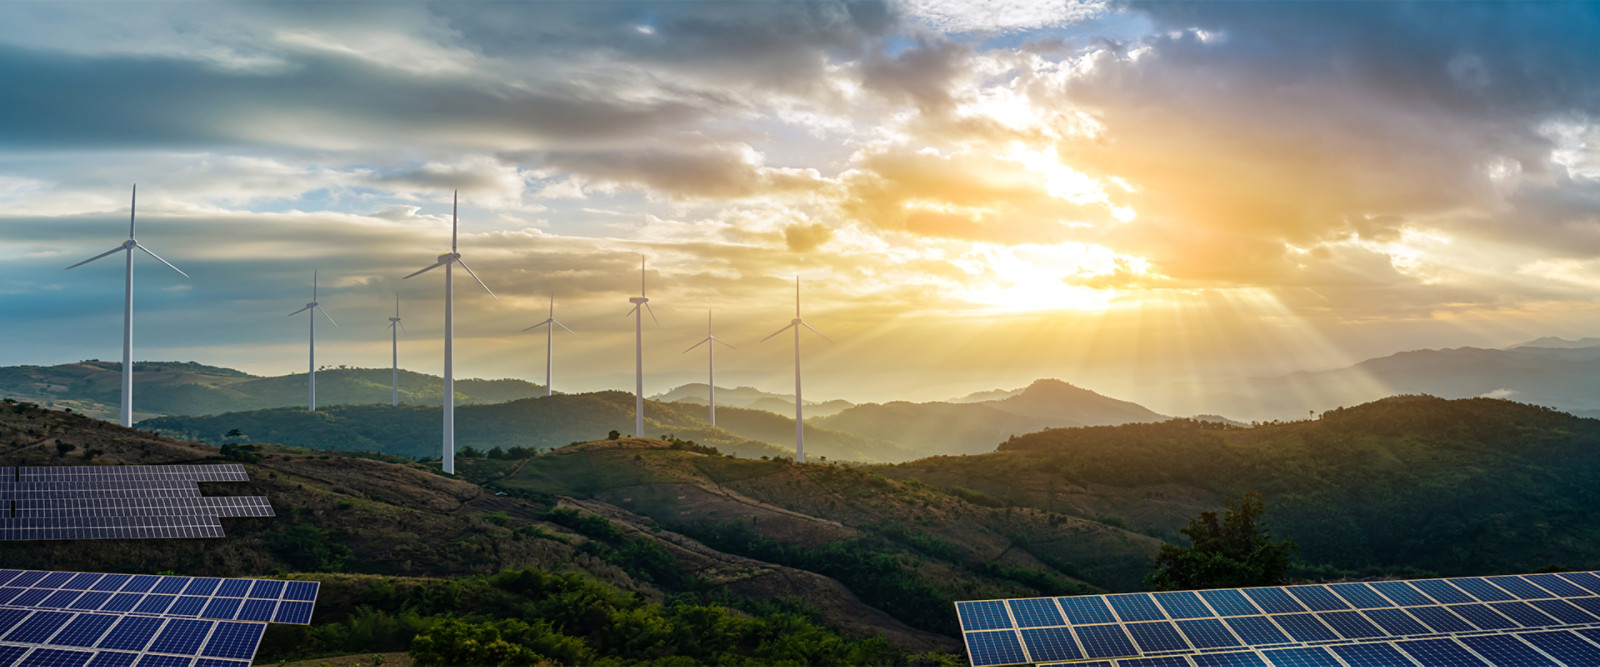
(538, 423)
(184, 388)
(1447, 486)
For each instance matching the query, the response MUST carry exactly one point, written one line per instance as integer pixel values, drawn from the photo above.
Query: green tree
(63, 447)
(1232, 551)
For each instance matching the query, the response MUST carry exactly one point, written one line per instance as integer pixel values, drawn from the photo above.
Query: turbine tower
(127, 306)
(448, 261)
(311, 401)
(710, 342)
(640, 305)
(395, 327)
(799, 419)
(549, 340)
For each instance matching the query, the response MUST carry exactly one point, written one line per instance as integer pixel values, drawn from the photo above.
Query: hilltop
(857, 552)
(185, 388)
(1466, 486)
(699, 393)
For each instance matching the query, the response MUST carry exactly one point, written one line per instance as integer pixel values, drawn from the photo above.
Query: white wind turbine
(549, 340)
(311, 402)
(710, 342)
(640, 305)
(395, 327)
(448, 261)
(799, 419)
(127, 307)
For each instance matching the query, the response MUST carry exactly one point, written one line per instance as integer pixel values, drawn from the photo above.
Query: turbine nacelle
(129, 244)
(638, 300)
(449, 257)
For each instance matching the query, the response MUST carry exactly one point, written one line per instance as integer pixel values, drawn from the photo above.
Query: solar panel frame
(1507, 651)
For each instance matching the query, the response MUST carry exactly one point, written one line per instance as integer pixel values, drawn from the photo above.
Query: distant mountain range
(699, 393)
(185, 388)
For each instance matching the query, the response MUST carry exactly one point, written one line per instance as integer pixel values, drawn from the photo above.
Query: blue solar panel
(9, 618)
(54, 657)
(1360, 596)
(55, 579)
(266, 588)
(10, 654)
(1273, 600)
(1257, 630)
(1440, 619)
(1301, 657)
(1351, 624)
(59, 599)
(218, 662)
(1371, 655)
(1560, 587)
(27, 578)
(1157, 637)
(1524, 614)
(1104, 641)
(1317, 598)
(181, 636)
(83, 581)
(234, 640)
(1441, 591)
(999, 647)
(1035, 612)
(1305, 627)
(1483, 590)
(90, 601)
(1135, 607)
(1564, 611)
(111, 582)
(170, 585)
(1240, 659)
(1085, 610)
(235, 588)
(1519, 587)
(1206, 633)
(1396, 622)
(293, 612)
(38, 627)
(132, 633)
(1229, 602)
(1482, 616)
(1046, 644)
(113, 659)
(85, 630)
(1507, 651)
(187, 605)
(1402, 593)
(1564, 646)
(1586, 580)
(1169, 661)
(153, 660)
(1439, 653)
(155, 604)
(304, 591)
(1182, 604)
(984, 615)
(122, 602)
(1591, 604)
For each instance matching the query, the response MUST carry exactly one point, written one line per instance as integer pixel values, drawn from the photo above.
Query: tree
(1231, 552)
(63, 447)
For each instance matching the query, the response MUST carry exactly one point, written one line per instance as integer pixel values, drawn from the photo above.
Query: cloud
(806, 238)
(720, 171)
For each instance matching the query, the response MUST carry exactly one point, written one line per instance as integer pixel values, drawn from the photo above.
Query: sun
(1037, 277)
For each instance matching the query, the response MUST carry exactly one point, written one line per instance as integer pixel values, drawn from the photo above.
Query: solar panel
(140, 620)
(120, 502)
(995, 648)
(1505, 621)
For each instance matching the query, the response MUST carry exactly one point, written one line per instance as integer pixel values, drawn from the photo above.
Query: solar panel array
(119, 502)
(1514, 620)
(80, 619)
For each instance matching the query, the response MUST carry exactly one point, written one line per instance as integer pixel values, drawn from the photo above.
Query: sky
(1126, 196)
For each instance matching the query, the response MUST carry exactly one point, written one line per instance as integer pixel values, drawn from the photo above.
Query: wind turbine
(127, 306)
(549, 340)
(395, 327)
(448, 261)
(640, 304)
(799, 419)
(311, 402)
(710, 342)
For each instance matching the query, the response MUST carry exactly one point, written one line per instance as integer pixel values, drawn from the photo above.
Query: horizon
(1144, 200)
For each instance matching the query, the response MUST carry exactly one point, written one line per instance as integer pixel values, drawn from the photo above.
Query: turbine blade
(652, 312)
(430, 268)
(391, 325)
(719, 340)
(325, 314)
(814, 330)
(133, 205)
(632, 311)
(791, 326)
(402, 327)
(537, 325)
(463, 264)
(158, 259)
(299, 311)
(91, 259)
(703, 341)
(565, 327)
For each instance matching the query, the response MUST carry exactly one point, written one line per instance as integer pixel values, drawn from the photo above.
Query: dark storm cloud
(99, 102)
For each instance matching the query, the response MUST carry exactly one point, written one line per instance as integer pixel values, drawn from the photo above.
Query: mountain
(183, 388)
(748, 397)
(1412, 482)
(981, 396)
(1560, 343)
(936, 428)
(540, 423)
(976, 428)
(1563, 378)
(663, 549)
